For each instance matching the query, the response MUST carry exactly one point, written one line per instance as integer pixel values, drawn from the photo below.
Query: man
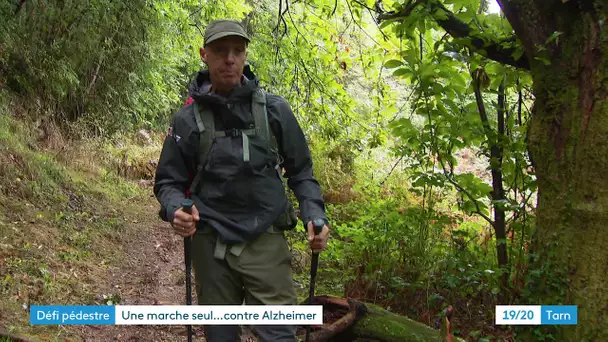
(237, 224)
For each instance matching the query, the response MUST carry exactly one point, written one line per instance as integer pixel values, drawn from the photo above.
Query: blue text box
(73, 314)
(559, 315)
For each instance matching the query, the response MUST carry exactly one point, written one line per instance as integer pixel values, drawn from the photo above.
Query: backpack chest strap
(205, 123)
(244, 133)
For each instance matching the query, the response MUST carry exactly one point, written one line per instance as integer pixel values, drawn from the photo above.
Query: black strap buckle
(233, 132)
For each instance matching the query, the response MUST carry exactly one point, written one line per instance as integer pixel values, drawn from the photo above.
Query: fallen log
(339, 315)
(351, 320)
(379, 324)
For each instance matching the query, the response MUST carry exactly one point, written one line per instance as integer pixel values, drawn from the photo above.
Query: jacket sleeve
(297, 160)
(172, 173)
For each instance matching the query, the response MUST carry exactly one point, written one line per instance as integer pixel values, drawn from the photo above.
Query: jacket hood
(200, 84)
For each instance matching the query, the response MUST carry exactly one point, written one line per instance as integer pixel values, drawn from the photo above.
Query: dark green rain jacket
(239, 201)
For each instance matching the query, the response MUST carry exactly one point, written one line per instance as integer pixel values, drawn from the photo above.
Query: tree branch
(448, 177)
(199, 29)
(531, 20)
(405, 12)
(362, 29)
(391, 172)
(499, 51)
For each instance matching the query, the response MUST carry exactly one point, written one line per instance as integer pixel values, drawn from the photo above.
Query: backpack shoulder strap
(206, 127)
(260, 116)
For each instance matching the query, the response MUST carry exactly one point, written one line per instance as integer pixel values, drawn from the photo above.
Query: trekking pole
(187, 205)
(317, 226)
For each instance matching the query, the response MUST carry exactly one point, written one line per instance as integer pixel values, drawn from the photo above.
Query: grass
(59, 225)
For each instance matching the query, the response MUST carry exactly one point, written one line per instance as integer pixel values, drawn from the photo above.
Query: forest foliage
(419, 142)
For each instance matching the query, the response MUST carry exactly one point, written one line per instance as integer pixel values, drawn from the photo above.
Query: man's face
(225, 59)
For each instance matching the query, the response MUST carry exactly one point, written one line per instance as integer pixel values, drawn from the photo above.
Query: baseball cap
(223, 28)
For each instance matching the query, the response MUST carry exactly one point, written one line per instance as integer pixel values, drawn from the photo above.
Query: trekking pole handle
(318, 225)
(187, 205)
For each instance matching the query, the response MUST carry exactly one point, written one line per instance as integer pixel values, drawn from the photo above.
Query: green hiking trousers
(258, 273)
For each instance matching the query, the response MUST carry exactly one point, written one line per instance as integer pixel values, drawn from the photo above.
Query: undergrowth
(414, 255)
(63, 209)
(59, 227)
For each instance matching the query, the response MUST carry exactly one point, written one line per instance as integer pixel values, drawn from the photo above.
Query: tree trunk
(566, 50)
(498, 192)
(568, 143)
(495, 142)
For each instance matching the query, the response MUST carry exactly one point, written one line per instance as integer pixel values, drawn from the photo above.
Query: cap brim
(221, 35)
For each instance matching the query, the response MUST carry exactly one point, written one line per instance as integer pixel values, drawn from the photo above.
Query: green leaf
(517, 53)
(544, 60)
(393, 63)
(403, 72)
(554, 36)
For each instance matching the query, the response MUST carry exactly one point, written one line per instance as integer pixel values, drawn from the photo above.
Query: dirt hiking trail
(151, 273)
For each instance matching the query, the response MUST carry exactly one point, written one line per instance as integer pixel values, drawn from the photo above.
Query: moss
(386, 326)
(567, 141)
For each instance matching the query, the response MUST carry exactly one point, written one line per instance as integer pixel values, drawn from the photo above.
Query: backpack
(261, 127)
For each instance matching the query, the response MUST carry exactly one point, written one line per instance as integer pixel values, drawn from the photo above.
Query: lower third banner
(176, 314)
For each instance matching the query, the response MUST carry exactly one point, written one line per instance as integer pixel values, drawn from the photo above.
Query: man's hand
(317, 242)
(183, 223)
